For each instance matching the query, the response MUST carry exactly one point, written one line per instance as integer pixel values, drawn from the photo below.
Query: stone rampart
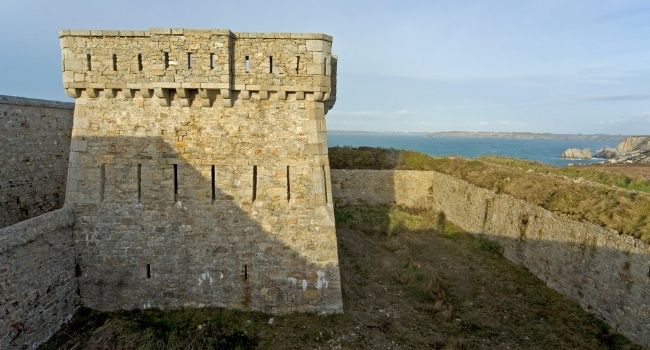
(607, 273)
(199, 173)
(38, 288)
(35, 138)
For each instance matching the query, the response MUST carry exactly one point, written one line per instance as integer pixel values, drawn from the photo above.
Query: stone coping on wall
(30, 230)
(185, 31)
(34, 102)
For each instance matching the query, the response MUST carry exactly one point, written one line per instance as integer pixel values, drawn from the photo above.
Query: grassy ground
(607, 197)
(410, 281)
(628, 172)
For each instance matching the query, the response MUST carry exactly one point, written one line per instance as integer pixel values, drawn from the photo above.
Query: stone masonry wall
(38, 288)
(35, 138)
(199, 174)
(607, 273)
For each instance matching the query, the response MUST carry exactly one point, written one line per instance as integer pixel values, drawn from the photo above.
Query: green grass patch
(386, 220)
(481, 242)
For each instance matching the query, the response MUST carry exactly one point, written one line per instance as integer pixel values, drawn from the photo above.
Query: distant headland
(495, 135)
(527, 135)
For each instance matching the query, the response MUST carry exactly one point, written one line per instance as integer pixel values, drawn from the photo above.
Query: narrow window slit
(175, 182)
(212, 61)
(288, 185)
(270, 64)
(148, 270)
(89, 65)
(325, 66)
(114, 62)
(139, 183)
(297, 64)
(102, 181)
(325, 183)
(189, 60)
(214, 189)
(245, 272)
(166, 59)
(254, 182)
(247, 63)
(140, 62)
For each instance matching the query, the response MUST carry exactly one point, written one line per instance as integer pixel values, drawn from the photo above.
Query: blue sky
(543, 66)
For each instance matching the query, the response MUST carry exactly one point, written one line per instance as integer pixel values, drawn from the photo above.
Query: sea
(540, 150)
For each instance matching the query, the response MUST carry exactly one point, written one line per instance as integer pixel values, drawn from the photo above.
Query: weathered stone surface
(38, 288)
(606, 153)
(633, 143)
(35, 136)
(213, 188)
(576, 153)
(605, 272)
(632, 157)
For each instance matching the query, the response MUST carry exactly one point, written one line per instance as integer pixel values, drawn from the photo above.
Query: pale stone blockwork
(35, 139)
(198, 169)
(38, 288)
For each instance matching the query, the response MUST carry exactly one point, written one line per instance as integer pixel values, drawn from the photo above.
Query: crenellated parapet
(205, 66)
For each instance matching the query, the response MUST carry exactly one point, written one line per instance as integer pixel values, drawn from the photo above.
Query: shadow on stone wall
(142, 244)
(35, 138)
(606, 273)
(38, 290)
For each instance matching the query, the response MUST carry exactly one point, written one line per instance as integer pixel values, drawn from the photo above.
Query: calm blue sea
(545, 151)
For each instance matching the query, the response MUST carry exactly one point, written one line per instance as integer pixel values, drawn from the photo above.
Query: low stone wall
(35, 138)
(607, 273)
(38, 288)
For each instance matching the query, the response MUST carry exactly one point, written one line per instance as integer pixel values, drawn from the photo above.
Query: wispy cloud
(585, 99)
(608, 98)
(367, 113)
(483, 123)
(643, 118)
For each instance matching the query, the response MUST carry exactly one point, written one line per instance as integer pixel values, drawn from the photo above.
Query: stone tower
(198, 169)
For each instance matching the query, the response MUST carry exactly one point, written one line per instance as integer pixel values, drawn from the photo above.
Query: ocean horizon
(546, 151)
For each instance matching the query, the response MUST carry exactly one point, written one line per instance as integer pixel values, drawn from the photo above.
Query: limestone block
(74, 65)
(315, 69)
(317, 45)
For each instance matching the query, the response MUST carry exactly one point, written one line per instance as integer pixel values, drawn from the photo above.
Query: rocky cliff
(633, 149)
(606, 153)
(636, 156)
(633, 143)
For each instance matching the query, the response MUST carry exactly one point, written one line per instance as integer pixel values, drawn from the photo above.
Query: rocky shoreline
(633, 149)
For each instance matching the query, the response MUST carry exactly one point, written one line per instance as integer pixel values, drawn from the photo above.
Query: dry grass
(410, 287)
(603, 200)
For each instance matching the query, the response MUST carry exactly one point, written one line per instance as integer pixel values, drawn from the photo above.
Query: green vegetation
(626, 181)
(605, 199)
(410, 280)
